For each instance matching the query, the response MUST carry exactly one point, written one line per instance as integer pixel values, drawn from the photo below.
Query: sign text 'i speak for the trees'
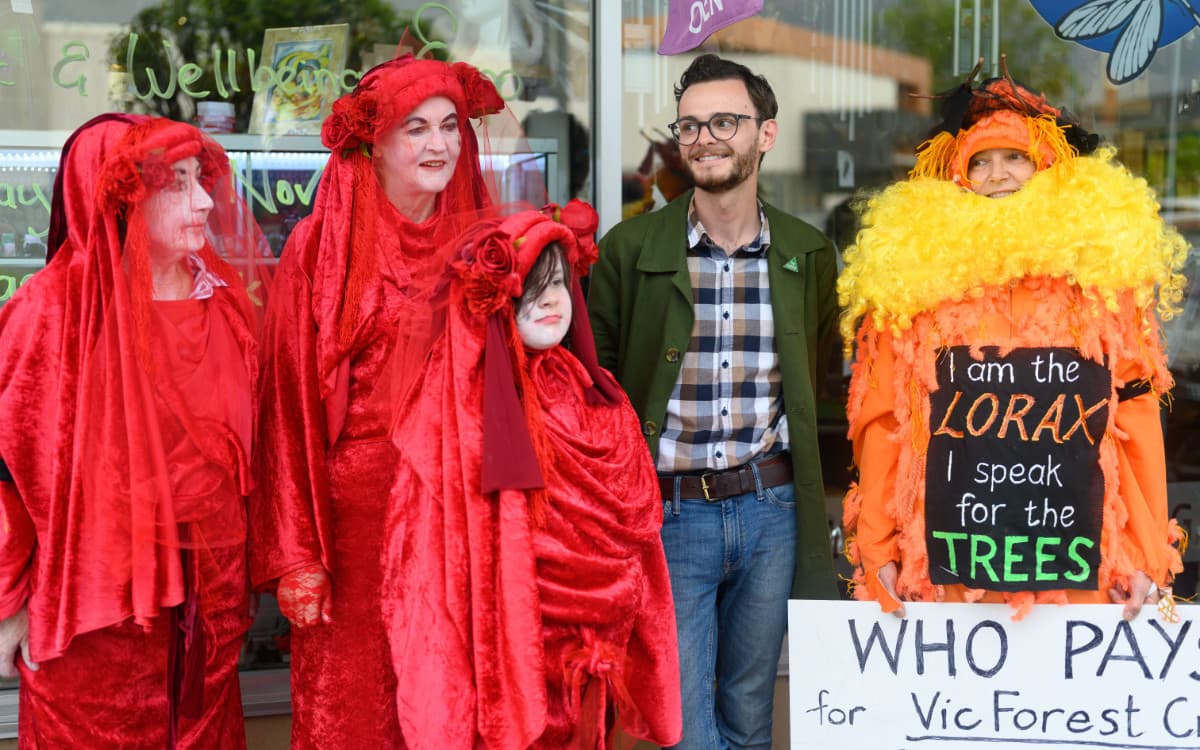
(1014, 494)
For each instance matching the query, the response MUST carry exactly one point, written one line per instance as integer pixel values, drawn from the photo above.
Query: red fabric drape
(340, 313)
(517, 618)
(85, 448)
(128, 440)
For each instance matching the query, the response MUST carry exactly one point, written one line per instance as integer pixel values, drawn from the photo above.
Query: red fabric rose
(481, 95)
(368, 117)
(355, 120)
(157, 173)
(490, 277)
(336, 132)
(214, 165)
(582, 220)
(120, 184)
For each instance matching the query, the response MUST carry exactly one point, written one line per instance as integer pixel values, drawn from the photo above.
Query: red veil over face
(351, 212)
(340, 269)
(351, 283)
(526, 590)
(95, 424)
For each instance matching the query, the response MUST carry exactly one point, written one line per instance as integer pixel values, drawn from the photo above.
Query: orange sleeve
(1141, 461)
(876, 454)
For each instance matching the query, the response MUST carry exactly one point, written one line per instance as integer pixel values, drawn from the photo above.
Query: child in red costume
(527, 594)
(127, 368)
(404, 164)
(1004, 403)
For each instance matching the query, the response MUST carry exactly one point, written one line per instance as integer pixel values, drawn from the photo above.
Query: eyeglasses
(722, 125)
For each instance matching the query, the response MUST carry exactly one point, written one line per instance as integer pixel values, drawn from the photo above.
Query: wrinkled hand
(1140, 590)
(306, 597)
(887, 576)
(14, 635)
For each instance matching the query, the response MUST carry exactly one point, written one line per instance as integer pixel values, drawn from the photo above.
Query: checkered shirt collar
(697, 235)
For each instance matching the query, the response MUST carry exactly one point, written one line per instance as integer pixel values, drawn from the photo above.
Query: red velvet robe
(325, 471)
(510, 631)
(103, 677)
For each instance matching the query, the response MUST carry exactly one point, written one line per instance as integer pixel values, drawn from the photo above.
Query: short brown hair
(710, 67)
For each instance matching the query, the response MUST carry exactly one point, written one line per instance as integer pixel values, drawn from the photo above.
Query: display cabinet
(277, 177)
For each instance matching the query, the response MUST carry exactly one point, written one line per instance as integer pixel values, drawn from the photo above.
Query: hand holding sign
(1140, 590)
(887, 576)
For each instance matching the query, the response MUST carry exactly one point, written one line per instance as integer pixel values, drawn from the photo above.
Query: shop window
(261, 79)
(853, 79)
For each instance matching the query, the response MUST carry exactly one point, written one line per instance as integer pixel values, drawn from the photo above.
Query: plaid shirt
(727, 406)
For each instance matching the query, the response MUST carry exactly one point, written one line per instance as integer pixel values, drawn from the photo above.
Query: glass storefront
(263, 80)
(853, 79)
(261, 77)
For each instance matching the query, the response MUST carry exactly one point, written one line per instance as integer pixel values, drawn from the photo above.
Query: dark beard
(743, 169)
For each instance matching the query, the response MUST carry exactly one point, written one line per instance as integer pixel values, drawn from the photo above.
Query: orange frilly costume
(1077, 263)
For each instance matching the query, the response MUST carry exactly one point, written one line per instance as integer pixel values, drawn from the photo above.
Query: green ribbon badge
(792, 265)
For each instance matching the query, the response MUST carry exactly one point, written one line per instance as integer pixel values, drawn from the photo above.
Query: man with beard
(712, 313)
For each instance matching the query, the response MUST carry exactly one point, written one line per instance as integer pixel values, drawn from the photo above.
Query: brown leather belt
(718, 485)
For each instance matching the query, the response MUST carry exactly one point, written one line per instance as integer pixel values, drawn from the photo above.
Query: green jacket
(640, 305)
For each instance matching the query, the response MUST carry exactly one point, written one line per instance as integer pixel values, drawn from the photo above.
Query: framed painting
(298, 78)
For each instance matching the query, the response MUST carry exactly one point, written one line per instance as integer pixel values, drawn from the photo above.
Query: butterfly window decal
(1130, 31)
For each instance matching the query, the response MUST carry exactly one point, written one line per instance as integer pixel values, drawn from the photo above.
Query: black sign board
(1014, 494)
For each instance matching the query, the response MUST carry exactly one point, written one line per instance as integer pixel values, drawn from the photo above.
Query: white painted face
(177, 215)
(544, 320)
(417, 156)
(999, 172)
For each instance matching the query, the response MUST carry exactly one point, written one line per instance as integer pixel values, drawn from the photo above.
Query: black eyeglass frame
(700, 124)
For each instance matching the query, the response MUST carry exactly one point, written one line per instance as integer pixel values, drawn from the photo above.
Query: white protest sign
(966, 676)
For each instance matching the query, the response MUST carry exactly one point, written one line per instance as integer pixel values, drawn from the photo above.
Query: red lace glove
(305, 596)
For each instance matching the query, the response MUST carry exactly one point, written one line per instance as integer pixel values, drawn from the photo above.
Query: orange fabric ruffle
(889, 409)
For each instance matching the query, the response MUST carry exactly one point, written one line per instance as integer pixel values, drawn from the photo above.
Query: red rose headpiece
(497, 257)
(492, 268)
(389, 92)
(143, 161)
(488, 270)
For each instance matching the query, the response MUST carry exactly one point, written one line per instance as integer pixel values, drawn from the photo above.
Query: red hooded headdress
(350, 196)
(97, 428)
(526, 590)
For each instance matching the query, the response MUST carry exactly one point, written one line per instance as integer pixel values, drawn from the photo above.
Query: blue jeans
(731, 565)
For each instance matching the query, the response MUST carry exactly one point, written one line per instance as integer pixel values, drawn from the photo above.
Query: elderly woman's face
(999, 172)
(176, 215)
(418, 155)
